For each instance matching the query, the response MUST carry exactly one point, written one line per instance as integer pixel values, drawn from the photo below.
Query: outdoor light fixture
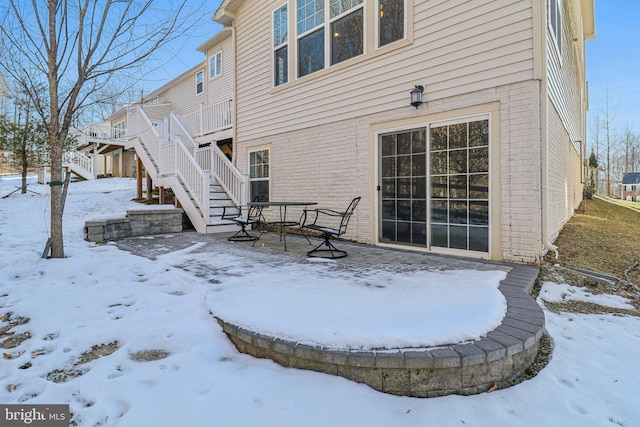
(416, 96)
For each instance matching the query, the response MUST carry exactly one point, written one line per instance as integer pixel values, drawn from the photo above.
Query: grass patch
(605, 238)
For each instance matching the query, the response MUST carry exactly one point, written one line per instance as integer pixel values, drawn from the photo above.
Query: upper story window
(555, 23)
(391, 21)
(215, 65)
(328, 32)
(281, 45)
(341, 19)
(199, 82)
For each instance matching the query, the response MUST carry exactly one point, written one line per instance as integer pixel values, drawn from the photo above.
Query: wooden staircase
(204, 181)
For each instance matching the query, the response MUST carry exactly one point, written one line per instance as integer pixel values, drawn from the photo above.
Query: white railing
(208, 119)
(180, 158)
(77, 158)
(176, 160)
(178, 132)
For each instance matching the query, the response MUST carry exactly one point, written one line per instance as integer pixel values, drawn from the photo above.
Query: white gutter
(234, 108)
(546, 238)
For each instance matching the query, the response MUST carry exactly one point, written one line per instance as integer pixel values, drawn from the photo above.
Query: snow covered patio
(121, 308)
(402, 322)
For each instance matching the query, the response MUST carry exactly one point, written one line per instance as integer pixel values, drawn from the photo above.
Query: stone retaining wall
(467, 368)
(137, 223)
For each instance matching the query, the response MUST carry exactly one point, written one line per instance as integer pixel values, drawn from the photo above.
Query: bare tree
(630, 146)
(596, 139)
(76, 48)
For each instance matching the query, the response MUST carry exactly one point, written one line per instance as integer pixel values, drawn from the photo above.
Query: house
(489, 164)
(630, 187)
(460, 123)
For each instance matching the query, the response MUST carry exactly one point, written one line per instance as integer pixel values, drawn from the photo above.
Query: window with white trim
(391, 21)
(328, 31)
(199, 82)
(555, 23)
(281, 45)
(215, 65)
(259, 182)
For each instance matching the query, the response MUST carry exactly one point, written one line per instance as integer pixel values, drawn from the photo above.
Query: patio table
(283, 222)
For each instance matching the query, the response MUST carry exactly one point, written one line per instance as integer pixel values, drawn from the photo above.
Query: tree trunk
(57, 205)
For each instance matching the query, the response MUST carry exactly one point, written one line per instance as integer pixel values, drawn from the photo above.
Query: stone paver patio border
(467, 368)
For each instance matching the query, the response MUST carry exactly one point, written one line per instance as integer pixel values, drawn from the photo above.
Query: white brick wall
(333, 163)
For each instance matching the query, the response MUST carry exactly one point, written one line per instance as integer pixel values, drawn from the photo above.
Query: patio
(470, 366)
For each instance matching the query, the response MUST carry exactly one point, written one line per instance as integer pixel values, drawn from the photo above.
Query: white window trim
(326, 24)
(377, 27)
(196, 81)
(284, 44)
(557, 38)
(268, 179)
(492, 195)
(213, 65)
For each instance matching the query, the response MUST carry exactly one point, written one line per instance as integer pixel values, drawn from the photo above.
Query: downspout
(545, 172)
(234, 101)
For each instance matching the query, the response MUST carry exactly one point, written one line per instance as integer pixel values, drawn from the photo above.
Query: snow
(562, 292)
(101, 294)
(377, 310)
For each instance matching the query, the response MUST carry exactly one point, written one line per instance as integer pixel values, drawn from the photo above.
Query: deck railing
(178, 159)
(209, 119)
(211, 158)
(75, 157)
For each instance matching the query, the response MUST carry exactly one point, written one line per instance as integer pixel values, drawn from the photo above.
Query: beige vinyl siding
(220, 88)
(181, 93)
(566, 76)
(458, 47)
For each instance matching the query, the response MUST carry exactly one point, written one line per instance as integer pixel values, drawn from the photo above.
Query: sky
(613, 64)
(101, 297)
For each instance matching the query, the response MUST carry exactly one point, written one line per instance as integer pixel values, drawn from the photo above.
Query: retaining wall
(137, 223)
(497, 359)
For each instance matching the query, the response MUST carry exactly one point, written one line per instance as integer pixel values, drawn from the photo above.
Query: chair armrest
(329, 212)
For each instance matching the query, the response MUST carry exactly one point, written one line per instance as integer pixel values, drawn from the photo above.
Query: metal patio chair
(330, 223)
(245, 216)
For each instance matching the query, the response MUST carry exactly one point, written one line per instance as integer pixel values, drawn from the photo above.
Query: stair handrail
(146, 132)
(180, 133)
(178, 161)
(79, 159)
(229, 177)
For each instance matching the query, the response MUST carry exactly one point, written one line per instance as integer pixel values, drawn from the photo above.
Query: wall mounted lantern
(416, 96)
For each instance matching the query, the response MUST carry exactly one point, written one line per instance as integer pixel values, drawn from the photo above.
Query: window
(459, 196)
(346, 30)
(280, 44)
(215, 65)
(199, 82)
(391, 21)
(555, 23)
(329, 32)
(119, 130)
(259, 174)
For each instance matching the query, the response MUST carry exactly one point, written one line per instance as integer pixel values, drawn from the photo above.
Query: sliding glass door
(434, 186)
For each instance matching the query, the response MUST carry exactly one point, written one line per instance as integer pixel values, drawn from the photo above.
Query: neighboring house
(630, 187)
(489, 165)
(319, 100)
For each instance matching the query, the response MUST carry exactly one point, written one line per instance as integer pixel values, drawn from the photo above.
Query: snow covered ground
(125, 307)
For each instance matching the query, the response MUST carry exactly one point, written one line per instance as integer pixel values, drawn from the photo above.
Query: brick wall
(333, 163)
